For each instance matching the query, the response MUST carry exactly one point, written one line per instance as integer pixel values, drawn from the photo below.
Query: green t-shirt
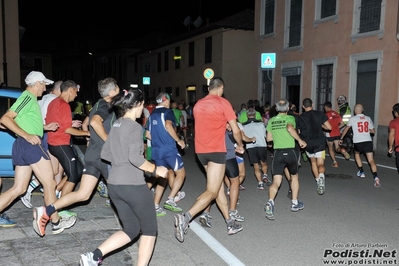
(244, 118)
(29, 116)
(177, 114)
(277, 126)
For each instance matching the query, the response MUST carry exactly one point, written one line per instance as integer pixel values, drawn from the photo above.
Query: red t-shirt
(394, 124)
(211, 114)
(335, 119)
(59, 111)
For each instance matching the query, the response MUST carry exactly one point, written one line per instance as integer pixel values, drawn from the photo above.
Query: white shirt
(43, 103)
(361, 125)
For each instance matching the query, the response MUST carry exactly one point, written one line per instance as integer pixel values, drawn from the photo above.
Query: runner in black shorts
(281, 130)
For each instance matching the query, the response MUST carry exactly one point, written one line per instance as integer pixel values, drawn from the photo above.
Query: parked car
(8, 95)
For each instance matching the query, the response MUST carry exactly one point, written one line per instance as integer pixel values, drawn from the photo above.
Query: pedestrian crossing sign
(268, 60)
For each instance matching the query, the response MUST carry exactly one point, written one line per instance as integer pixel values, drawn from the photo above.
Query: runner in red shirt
(333, 136)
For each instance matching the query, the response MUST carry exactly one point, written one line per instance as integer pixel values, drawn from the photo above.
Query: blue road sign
(268, 60)
(146, 80)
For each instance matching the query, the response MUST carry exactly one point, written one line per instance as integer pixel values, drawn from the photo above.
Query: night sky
(58, 24)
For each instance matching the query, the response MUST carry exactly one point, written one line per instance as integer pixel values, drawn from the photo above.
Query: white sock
(271, 201)
(33, 184)
(294, 202)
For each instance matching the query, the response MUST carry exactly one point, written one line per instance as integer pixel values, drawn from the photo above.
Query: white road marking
(218, 248)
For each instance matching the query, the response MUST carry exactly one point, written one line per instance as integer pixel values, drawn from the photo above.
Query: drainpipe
(3, 18)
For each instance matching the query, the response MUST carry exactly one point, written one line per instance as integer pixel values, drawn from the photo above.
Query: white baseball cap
(34, 76)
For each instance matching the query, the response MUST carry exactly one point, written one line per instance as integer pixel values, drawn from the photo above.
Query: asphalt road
(353, 223)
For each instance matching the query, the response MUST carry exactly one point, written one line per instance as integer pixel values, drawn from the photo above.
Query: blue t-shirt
(162, 143)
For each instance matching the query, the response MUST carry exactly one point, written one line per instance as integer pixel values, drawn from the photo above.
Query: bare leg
(215, 175)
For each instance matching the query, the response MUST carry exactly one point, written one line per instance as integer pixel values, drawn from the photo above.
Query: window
(166, 62)
(177, 91)
(324, 83)
(328, 8)
(191, 54)
(370, 15)
(268, 7)
(177, 53)
(159, 61)
(208, 50)
(295, 23)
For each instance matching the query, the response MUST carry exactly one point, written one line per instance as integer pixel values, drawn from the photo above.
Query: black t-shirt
(310, 126)
(101, 108)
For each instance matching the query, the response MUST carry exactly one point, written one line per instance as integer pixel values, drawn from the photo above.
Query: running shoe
(304, 157)
(180, 195)
(334, 164)
(160, 212)
(321, 185)
(361, 174)
(345, 153)
(289, 194)
(269, 209)
(181, 227)
(261, 186)
(377, 183)
(102, 189)
(237, 217)
(297, 207)
(266, 180)
(40, 219)
(26, 200)
(242, 187)
(234, 228)
(87, 260)
(171, 206)
(205, 219)
(5, 221)
(66, 214)
(108, 202)
(64, 223)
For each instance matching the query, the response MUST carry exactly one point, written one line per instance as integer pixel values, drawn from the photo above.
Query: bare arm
(77, 132)
(294, 134)
(172, 132)
(96, 123)
(327, 126)
(237, 135)
(8, 121)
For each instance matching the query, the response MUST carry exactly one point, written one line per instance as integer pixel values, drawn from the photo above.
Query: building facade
(178, 65)
(327, 48)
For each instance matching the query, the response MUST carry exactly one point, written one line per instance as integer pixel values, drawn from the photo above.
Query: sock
(97, 254)
(156, 206)
(271, 201)
(294, 202)
(321, 175)
(187, 217)
(171, 199)
(50, 209)
(361, 169)
(57, 223)
(375, 174)
(229, 221)
(33, 184)
(260, 182)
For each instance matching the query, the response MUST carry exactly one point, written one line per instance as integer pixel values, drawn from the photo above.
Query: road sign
(146, 80)
(208, 73)
(268, 60)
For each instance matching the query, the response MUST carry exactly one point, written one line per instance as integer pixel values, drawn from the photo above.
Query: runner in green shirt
(281, 130)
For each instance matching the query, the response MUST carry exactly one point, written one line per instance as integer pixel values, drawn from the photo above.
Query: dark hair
(215, 83)
(395, 108)
(65, 85)
(126, 100)
(328, 104)
(307, 102)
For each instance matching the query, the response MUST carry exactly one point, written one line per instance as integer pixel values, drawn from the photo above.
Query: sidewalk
(20, 245)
